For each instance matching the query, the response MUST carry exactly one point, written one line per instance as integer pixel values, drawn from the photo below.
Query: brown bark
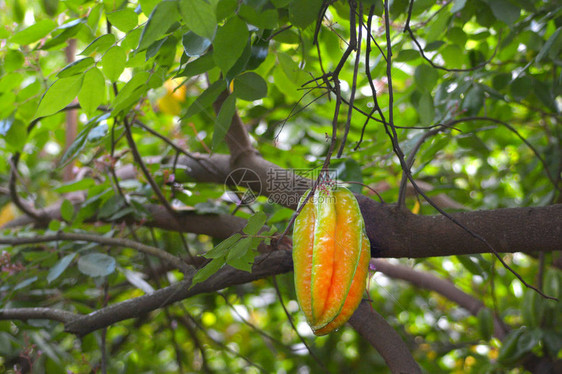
(373, 328)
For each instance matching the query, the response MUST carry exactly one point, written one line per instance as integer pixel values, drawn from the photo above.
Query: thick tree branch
(24, 314)
(397, 233)
(237, 137)
(373, 328)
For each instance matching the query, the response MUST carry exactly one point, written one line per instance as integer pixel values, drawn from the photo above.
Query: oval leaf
(60, 94)
(162, 17)
(250, 86)
(60, 267)
(229, 43)
(96, 264)
(113, 62)
(199, 16)
(92, 94)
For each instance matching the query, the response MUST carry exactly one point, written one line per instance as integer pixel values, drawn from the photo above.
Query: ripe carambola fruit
(331, 258)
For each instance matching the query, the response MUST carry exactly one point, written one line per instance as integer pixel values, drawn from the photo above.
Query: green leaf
(210, 207)
(471, 264)
(266, 19)
(302, 13)
(425, 77)
(426, 110)
(164, 15)
(348, 170)
(226, 8)
(553, 283)
(92, 94)
(222, 248)
(34, 32)
(78, 144)
(205, 100)
(16, 136)
(81, 184)
(96, 264)
(255, 223)
(474, 100)
(239, 249)
(224, 118)
(532, 309)
(199, 66)
(433, 46)
(60, 267)
(76, 67)
(521, 87)
(100, 44)
(67, 210)
(552, 46)
(245, 261)
(125, 19)
(131, 91)
(194, 45)
(13, 60)
(148, 6)
(458, 5)
(70, 29)
(485, 323)
(59, 95)
(509, 346)
(527, 341)
(211, 268)
(25, 283)
(407, 55)
(199, 17)
(505, 11)
(97, 133)
(113, 62)
(250, 86)
(437, 27)
(229, 43)
(54, 225)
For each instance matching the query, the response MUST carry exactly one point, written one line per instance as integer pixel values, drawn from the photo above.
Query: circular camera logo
(242, 186)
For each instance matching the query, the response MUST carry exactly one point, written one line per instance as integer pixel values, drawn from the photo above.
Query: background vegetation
(118, 137)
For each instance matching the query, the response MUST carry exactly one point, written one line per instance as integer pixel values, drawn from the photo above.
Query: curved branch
(154, 251)
(373, 328)
(28, 210)
(269, 264)
(237, 137)
(443, 287)
(24, 314)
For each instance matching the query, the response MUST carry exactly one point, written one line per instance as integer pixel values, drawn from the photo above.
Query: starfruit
(331, 257)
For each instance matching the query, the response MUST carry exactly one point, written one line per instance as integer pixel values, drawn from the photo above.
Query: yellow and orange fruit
(331, 258)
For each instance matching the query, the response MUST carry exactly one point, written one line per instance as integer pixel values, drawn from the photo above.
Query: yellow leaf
(7, 214)
(416, 208)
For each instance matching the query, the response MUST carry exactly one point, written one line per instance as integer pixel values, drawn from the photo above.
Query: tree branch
(443, 287)
(265, 265)
(237, 137)
(25, 314)
(373, 328)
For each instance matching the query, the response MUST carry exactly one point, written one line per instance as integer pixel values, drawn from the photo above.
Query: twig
(140, 162)
(408, 29)
(355, 41)
(27, 210)
(290, 319)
